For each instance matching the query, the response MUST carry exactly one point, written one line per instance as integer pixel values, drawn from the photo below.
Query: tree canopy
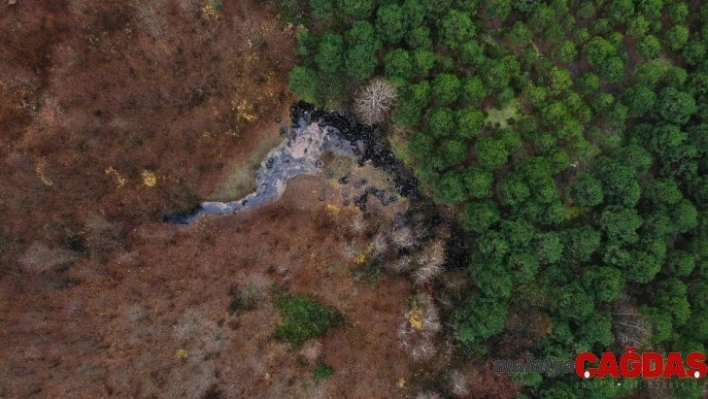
(567, 138)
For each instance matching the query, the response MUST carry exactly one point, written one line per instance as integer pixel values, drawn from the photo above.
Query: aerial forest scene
(354, 199)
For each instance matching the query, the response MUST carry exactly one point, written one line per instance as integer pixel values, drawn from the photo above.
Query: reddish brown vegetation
(118, 330)
(94, 94)
(98, 101)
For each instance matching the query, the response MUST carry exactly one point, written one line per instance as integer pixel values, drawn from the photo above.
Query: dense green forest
(589, 194)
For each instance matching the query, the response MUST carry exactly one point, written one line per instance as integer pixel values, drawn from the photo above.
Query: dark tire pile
(376, 149)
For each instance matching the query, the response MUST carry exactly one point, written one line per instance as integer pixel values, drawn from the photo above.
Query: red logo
(645, 365)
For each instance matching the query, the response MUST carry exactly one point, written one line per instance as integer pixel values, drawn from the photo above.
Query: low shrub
(303, 318)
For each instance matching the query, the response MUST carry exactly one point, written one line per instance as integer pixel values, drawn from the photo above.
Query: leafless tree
(358, 225)
(403, 237)
(433, 253)
(459, 386)
(379, 244)
(374, 101)
(631, 327)
(426, 273)
(402, 264)
(431, 321)
(428, 395)
(431, 260)
(349, 251)
(424, 350)
(419, 329)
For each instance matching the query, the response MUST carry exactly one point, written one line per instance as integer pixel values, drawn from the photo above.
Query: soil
(115, 114)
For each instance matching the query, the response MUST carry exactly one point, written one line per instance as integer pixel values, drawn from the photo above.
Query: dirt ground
(114, 114)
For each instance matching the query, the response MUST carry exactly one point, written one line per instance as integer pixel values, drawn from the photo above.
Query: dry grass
(39, 258)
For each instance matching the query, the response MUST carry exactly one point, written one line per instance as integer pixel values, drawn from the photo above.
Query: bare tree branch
(374, 101)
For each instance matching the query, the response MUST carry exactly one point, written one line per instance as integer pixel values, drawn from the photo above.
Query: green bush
(323, 371)
(303, 318)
